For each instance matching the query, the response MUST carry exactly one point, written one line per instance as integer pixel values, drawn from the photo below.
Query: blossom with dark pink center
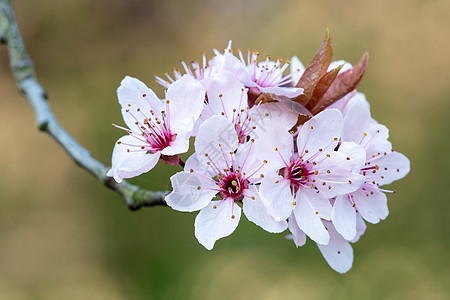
(221, 168)
(155, 127)
(382, 166)
(313, 173)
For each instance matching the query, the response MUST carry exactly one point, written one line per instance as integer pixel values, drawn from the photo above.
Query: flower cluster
(292, 147)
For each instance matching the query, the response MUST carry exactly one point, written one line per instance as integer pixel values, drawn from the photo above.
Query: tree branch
(23, 71)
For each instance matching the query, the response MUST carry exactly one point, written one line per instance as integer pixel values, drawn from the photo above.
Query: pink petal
(133, 95)
(360, 228)
(226, 95)
(216, 138)
(191, 191)
(356, 119)
(336, 172)
(343, 216)
(257, 213)
(392, 166)
(308, 218)
(179, 145)
(282, 91)
(276, 193)
(338, 253)
(127, 164)
(216, 221)
(186, 99)
(321, 132)
(298, 236)
(371, 203)
(297, 69)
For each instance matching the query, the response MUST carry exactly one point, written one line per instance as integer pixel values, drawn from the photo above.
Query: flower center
(157, 135)
(232, 186)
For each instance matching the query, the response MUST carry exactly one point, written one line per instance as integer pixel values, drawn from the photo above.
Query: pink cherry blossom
(155, 127)
(219, 168)
(312, 175)
(259, 77)
(381, 166)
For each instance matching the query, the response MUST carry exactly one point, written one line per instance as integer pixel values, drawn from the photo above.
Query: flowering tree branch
(23, 71)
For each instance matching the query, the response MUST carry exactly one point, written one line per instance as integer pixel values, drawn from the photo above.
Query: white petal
(360, 228)
(391, 167)
(276, 194)
(334, 64)
(282, 91)
(256, 212)
(356, 154)
(321, 132)
(225, 94)
(338, 253)
(192, 163)
(215, 140)
(133, 95)
(336, 172)
(179, 145)
(186, 99)
(371, 203)
(216, 221)
(273, 114)
(191, 191)
(127, 164)
(343, 216)
(298, 236)
(308, 218)
(297, 69)
(356, 120)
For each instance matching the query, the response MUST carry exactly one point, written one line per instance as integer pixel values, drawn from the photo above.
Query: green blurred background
(64, 236)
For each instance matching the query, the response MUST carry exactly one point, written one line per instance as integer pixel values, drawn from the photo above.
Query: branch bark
(23, 71)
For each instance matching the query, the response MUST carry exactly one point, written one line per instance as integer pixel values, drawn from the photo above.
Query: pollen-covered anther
(253, 198)
(266, 114)
(335, 139)
(294, 203)
(233, 216)
(191, 170)
(316, 172)
(348, 158)
(328, 171)
(214, 206)
(317, 212)
(261, 175)
(310, 127)
(265, 161)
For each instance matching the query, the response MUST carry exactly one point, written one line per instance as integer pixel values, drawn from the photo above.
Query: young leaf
(315, 69)
(323, 85)
(343, 84)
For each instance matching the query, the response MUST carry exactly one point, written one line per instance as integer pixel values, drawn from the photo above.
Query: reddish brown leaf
(342, 85)
(323, 85)
(286, 101)
(315, 69)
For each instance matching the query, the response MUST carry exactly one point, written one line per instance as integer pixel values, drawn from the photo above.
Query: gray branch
(23, 71)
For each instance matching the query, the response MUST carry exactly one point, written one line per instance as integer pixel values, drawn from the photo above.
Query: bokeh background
(64, 236)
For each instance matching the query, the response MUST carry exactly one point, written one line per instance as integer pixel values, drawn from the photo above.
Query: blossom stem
(23, 71)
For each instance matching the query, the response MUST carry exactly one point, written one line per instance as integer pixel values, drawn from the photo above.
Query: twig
(23, 71)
